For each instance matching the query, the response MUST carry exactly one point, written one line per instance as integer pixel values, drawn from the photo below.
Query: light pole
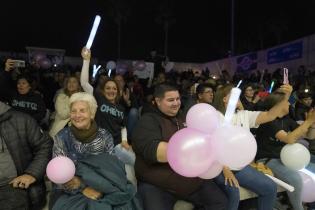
(232, 44)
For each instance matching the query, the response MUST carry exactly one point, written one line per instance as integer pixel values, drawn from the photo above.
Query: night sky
(200, 30)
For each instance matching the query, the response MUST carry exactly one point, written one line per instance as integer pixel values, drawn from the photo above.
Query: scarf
(85, 136)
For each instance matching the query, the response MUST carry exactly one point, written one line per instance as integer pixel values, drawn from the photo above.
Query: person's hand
(256, 99)
(73, 184)
(126, 96)
(264, 169)
(86, 53)
(230, 178)
(91, 193)
(239, 105)
(125, 145)
(23, 181)
(9, 65)
(310, 116)
(287, 89)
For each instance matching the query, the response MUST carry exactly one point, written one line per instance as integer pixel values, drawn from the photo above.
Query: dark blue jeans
(13, 198)
(208, 197)
(133, 117)
(254, 181)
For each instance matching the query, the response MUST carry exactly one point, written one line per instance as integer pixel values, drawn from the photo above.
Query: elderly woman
(62, 114)
(100, 176)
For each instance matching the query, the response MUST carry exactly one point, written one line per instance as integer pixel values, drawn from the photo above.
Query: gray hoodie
(7, 167)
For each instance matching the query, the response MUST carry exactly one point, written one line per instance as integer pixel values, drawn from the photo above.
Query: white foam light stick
(230, 110)
(95, 70)
(286, 186)
(97, 21)
(271, 86)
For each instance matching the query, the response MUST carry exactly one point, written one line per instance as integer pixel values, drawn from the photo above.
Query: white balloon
(295, 156)
(111, 65)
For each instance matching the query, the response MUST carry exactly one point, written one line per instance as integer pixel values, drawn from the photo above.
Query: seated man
(25, 152)
(159, 186)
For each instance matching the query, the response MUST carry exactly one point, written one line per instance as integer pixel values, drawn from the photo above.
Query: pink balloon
(308, 192)
(45, 63)
(60, 170)
(140, 65)
(235, 146)
(203, 117)
(214, 170)
(189, 152)
(39, 56)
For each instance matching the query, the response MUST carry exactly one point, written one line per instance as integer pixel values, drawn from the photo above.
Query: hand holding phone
(18, 63)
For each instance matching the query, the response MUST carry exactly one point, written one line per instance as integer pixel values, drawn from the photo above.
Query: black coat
(29, 148)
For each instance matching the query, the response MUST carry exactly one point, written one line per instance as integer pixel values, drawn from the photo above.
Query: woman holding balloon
(272, 138)
(90, 148)
(233, 151)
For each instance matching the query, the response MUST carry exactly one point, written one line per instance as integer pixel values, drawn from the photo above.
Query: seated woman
(100, 181)
(248, 97)
(22, 97)
(62, 105)
(247, 177)
(274, 135)
(110, 114)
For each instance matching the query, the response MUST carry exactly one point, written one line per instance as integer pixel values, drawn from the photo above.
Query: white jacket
(62, 116)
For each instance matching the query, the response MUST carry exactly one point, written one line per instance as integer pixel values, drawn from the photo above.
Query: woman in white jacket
(62, 114)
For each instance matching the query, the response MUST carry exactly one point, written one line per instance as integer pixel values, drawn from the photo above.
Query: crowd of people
(116, 130)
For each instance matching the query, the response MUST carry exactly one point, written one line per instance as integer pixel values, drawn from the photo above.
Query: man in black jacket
(24, 153)
(158, 185)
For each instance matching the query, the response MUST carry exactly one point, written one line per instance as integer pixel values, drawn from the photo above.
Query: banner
(246, 62)
(285, 53)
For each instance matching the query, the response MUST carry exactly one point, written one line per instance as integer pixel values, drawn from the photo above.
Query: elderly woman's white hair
(83, 96)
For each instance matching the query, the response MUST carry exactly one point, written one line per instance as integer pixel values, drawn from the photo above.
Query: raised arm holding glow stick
(93, 31)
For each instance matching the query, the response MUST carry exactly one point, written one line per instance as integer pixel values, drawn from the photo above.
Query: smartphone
(18, 63)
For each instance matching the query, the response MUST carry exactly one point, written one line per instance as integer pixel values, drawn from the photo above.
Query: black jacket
(29, 148)
(152, 128)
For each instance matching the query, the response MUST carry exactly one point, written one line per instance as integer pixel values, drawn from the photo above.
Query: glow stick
(239, 83)
(109, 72)
(285, 76)
(234, 96)
(271, 86)
(262, 76)
(95, 70)
(281, 183)
(93, 31)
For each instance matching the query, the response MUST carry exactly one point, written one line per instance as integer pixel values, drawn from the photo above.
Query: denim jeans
(254, 181)
(133, 117)
(293, 178)
(207, 197)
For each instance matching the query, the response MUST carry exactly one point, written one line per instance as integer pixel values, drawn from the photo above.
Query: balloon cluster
(205, 146)
(296, 157)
